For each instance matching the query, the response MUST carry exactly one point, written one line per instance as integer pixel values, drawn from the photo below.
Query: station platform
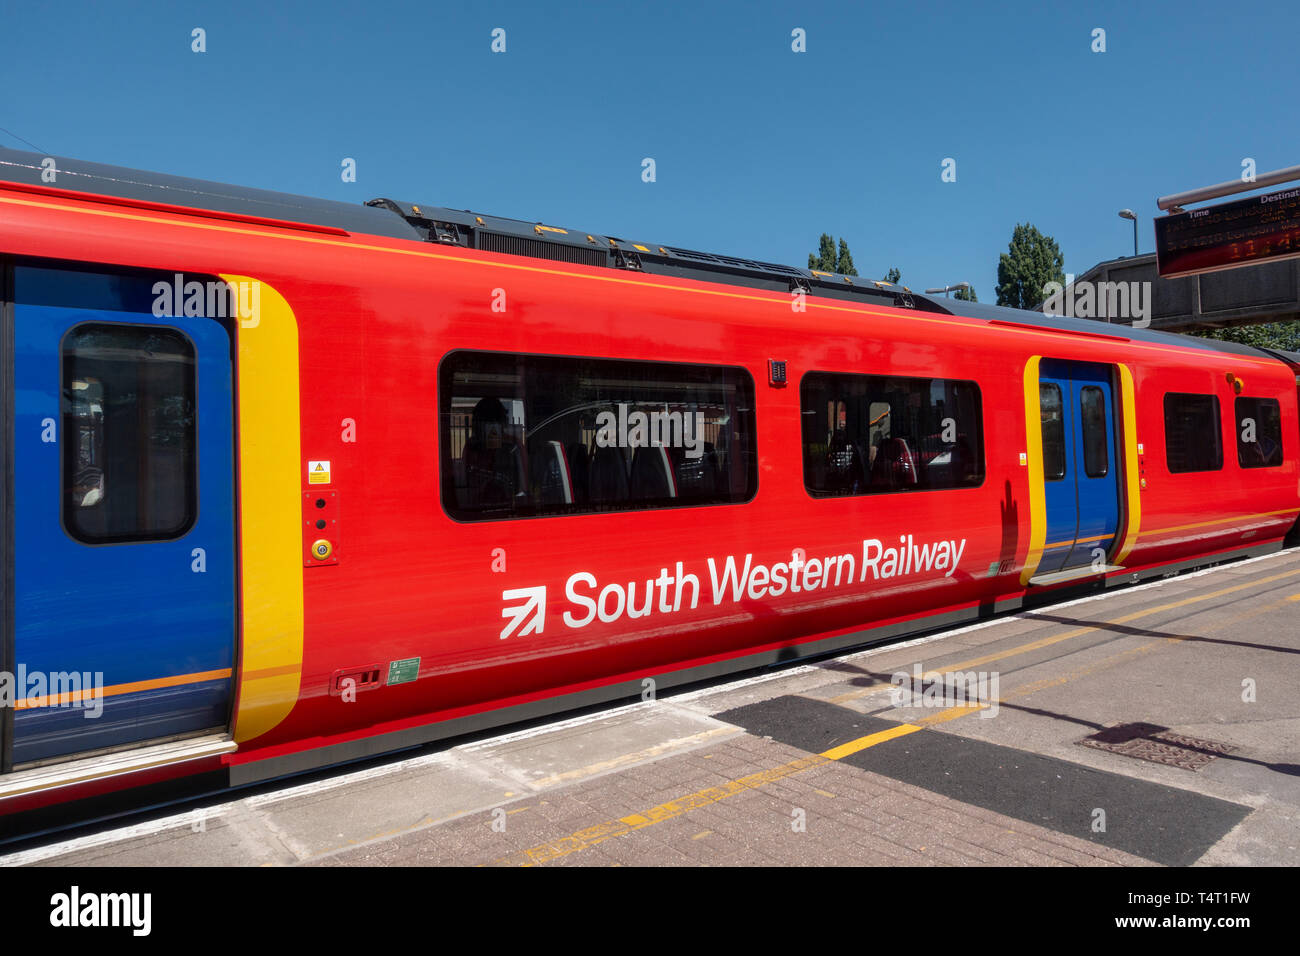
(1153, 725)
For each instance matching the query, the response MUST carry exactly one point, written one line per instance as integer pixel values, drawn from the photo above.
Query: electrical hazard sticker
(318, 472)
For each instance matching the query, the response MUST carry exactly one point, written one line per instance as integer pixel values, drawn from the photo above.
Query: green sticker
(403, 672)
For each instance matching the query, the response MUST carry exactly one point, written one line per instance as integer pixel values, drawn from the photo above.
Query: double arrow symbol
(534, 605)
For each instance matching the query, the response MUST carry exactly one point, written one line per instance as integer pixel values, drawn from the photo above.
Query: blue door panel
(135, 612)
(57, 731)
(1082, 504)
(1099, 491)
(1060, 494)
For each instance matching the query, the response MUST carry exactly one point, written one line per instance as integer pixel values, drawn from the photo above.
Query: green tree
(1032, 261)
(966, 295)
(844, 263)
(893, 275)
(1267, 335)
(825, 260)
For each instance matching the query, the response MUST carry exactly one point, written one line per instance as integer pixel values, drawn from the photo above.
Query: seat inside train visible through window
(529, 435)
(869, 434)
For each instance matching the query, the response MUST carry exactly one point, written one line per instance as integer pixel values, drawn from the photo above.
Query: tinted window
(1052, 410)
(1193, 436)
(128, 433)
(526, 435)
(1259, 432)
(868, 434)
(1092, 413)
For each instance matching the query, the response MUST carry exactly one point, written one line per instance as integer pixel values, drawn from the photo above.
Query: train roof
(429, 223)
(99, 179)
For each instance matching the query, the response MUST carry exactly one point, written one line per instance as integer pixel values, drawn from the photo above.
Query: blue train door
(1080, 464)
(123, 515)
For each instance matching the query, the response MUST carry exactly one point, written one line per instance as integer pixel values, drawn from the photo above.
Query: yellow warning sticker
(318, 472)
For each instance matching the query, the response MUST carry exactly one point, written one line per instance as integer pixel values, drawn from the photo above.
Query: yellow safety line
(591, 836)
(862, 743)
(1100, 625)
(1025, 690)
(1033, 687)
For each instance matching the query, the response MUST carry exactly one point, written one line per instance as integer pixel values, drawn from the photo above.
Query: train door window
(532, 435)
(1092, 415)
(128, 433)
(1259, 432)
(1052, 411)
(1193, 433)
(870, 434)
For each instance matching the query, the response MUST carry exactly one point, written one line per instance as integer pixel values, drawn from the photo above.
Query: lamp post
(1128, 214)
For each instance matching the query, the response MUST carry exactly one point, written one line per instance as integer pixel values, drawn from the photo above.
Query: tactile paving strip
(1157, 744)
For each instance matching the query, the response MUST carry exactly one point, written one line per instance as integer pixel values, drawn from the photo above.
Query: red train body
(376, 317)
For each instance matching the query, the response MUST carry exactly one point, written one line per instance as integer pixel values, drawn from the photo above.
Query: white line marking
(579, 721)
(745, 682)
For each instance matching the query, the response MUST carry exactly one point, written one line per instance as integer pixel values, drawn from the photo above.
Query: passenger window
(128, 434)
(871, 434)
(1259, 432)
(1193, 433)
(530, 435)
(1092, 413)
(1052, 410)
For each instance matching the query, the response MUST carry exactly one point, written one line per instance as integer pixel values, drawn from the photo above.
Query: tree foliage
(1032, 260)
(893, 275)
(966, 295)
(844, 264)
(826, 259)
(1267, 335)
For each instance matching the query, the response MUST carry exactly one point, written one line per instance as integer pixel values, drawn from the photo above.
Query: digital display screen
(1258, 229)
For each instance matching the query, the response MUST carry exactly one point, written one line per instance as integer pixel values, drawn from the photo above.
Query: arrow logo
(535, 605)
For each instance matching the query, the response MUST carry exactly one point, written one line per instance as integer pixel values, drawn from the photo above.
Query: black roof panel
(23, 167)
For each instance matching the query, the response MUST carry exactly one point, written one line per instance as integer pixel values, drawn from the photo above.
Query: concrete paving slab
(632, 736)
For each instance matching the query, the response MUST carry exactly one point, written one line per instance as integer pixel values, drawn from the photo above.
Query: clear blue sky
(758, 149)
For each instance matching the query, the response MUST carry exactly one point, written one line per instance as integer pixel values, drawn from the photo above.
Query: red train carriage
(291, 482)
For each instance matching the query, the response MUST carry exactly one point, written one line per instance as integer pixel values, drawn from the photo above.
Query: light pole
(948, 288)
(1128, 214)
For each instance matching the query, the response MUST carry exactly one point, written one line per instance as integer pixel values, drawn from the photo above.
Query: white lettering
(579, 599)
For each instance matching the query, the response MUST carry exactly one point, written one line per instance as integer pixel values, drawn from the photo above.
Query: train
(290, 483)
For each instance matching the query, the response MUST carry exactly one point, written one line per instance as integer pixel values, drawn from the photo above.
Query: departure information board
(1245, 232)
